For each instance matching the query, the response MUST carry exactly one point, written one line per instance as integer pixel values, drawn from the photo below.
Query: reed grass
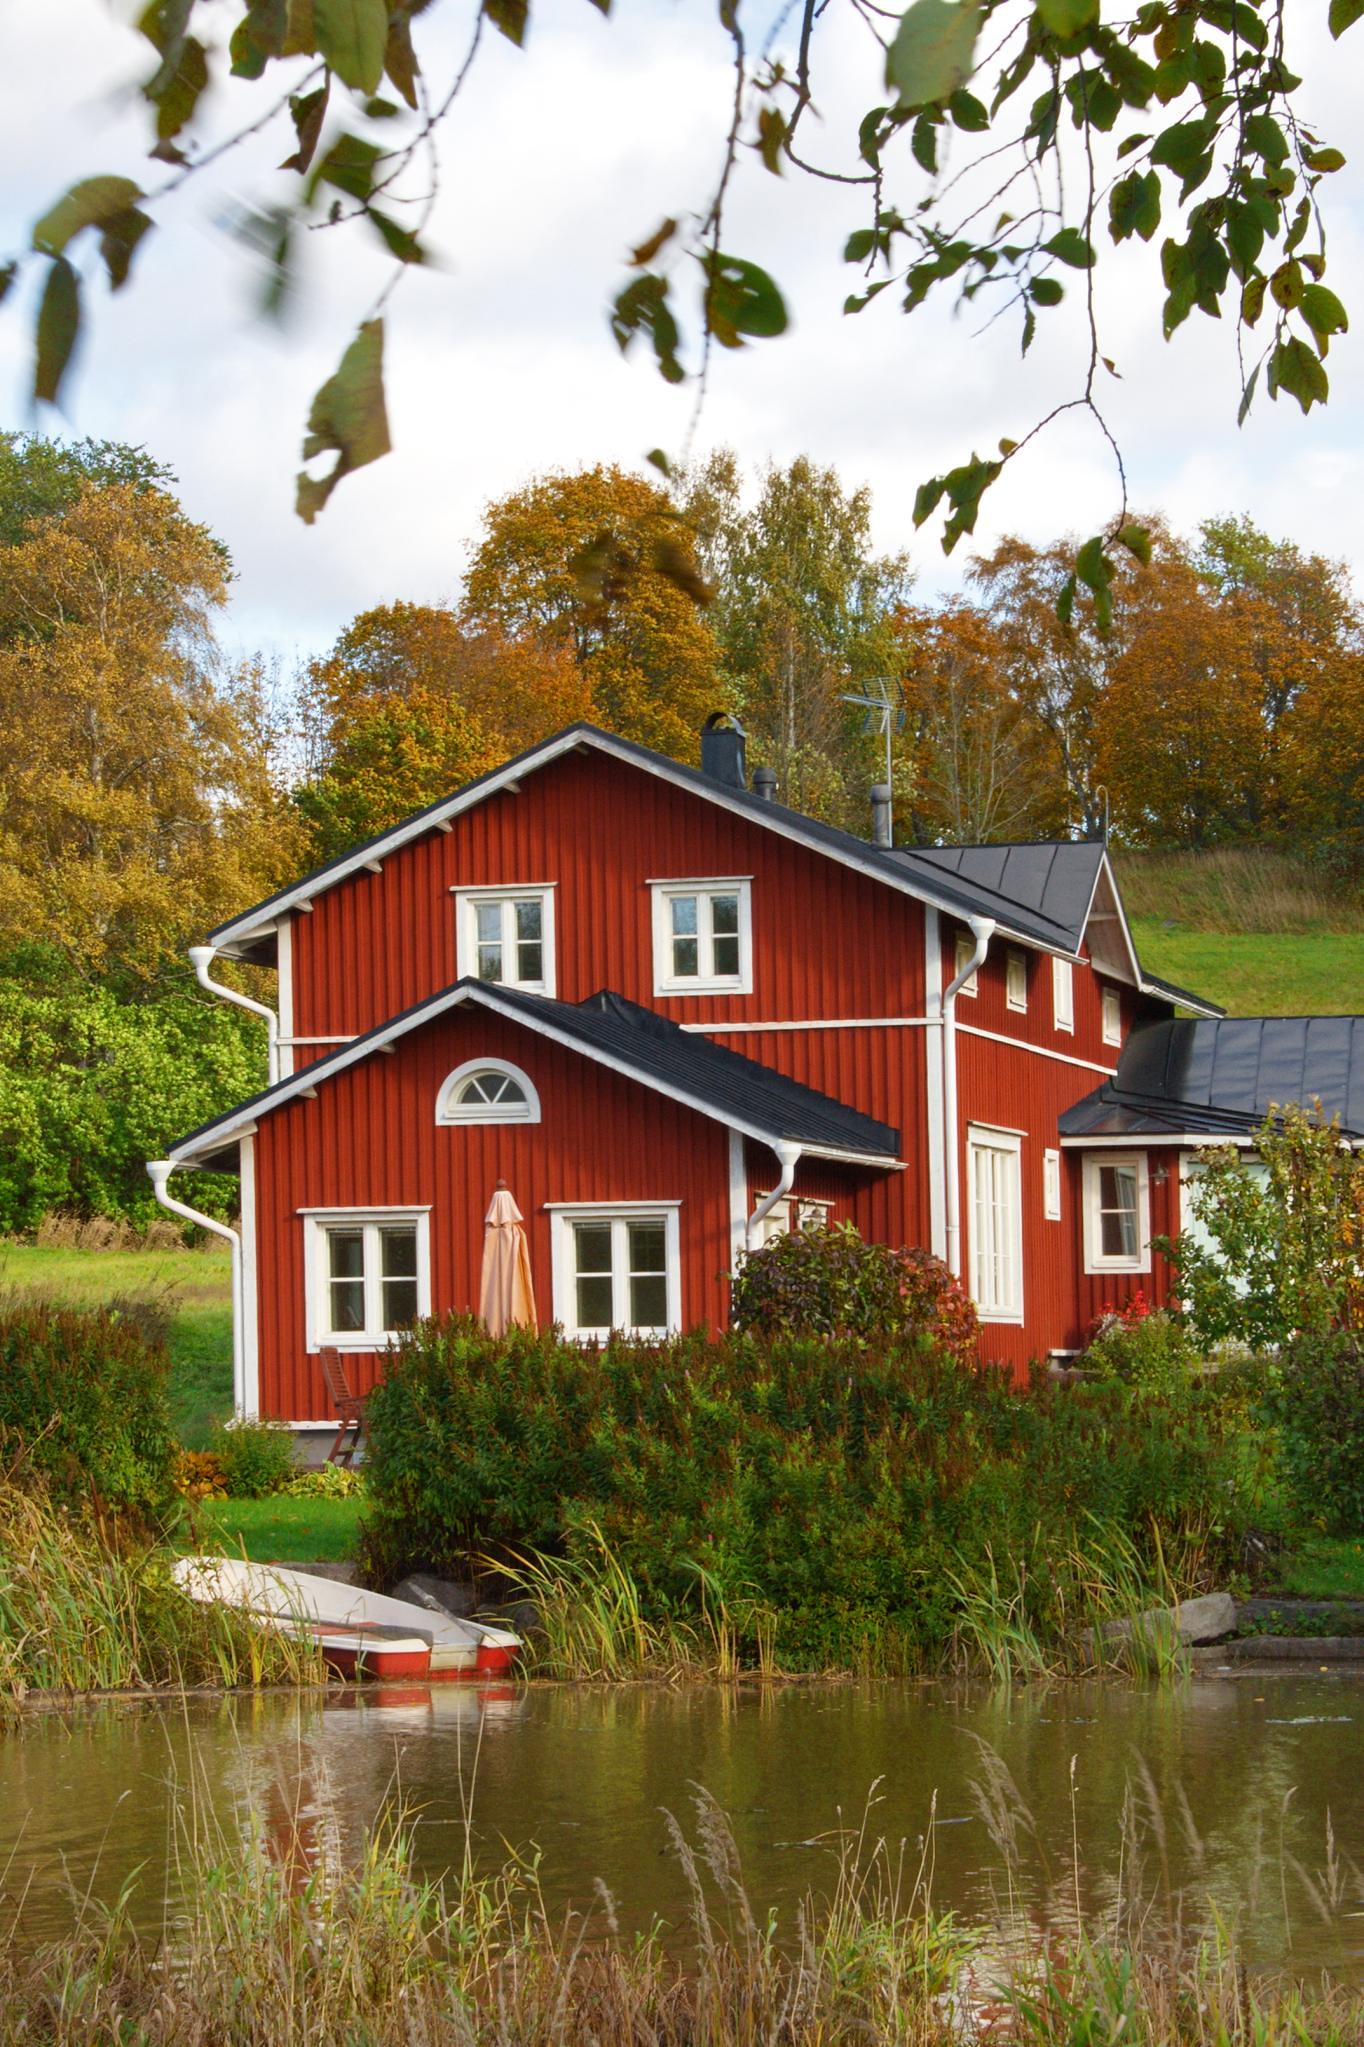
(278, 1935)
(82, 1612)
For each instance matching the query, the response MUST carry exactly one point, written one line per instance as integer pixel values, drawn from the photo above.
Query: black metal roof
(649, 1047)
(1222, 1077)
(1051, 879)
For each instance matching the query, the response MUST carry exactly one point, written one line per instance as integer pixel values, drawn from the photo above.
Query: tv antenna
(882, 704)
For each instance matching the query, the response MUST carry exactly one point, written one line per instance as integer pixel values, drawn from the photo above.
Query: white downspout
(982, 930)
(788, 1158)
(158, 1172)
(201, 959)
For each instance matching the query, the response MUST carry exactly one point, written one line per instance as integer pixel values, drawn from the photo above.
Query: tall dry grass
(1236, 889)
(81, 1610)
(275, 1937)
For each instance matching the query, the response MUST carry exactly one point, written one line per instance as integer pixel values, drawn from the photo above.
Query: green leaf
(927, 498)
(400, 59)
(1065, 601)
(1344, 14)
(1067, 17)
(510, 16)
(309, 110)
(741, 299)
(772, 132)
(59, 319)
(968, 112)
(934, 50)
(1095, 571)
(119, 240)
(349, 165)
(1186, 149)
(1137, 540)
(176, 98)
(349, 415)
(401, 241)
(1323, 160)
(643, 304)
(1247, 396)
(1297, 369)
(859, 245)
(352, 35)
(1253, 298)
(1324, 313)
(91, 203)
(1070, 246)
(258, 37)
(924, 143)
(1134, 206)
(1047, 291)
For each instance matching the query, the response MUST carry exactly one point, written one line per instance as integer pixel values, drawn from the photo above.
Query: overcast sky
(500, 363)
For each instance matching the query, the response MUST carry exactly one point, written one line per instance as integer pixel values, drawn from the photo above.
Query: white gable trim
(259, 922)
(484, 995)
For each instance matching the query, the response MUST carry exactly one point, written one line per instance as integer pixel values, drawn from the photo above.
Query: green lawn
(194, 1286)
(1324, 1567)
(1282, 973)
(276, 1531)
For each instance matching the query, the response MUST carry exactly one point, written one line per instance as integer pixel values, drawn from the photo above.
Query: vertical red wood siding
(369, 1138)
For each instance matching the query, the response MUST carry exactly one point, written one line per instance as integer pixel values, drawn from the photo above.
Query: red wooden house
(673, 1016)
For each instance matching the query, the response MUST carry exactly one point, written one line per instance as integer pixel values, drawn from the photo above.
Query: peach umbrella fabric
(506, 1294)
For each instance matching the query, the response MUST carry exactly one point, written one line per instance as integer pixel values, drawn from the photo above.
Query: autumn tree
(973, 757)
(803, 609)
(599, 565)
(137, 805)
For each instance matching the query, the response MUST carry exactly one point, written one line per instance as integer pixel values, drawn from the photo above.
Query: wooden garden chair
(348, 1407)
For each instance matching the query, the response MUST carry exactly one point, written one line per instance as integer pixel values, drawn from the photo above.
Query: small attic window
(488, 1091)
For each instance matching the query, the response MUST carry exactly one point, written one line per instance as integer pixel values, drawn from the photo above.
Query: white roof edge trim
(245, 927)
(1183, 999)
(1105, 867)
(216, 1136)
(1157, 1140)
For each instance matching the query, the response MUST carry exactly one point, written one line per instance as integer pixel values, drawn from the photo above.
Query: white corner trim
(934, 1083)
(453, 1115)
(248, 1305)
(738, 1199)
(284, 993)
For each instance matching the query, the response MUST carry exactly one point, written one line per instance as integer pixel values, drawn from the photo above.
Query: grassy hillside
(195, 1288)
(1260, 933)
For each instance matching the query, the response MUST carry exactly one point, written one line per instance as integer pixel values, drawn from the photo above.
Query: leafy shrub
(83, 1394)
(828, 1282)
(327, 1482)
(257, 1457)
(199, 1475)
(1319, 1401)
(1144, 1346)
(833, 1490)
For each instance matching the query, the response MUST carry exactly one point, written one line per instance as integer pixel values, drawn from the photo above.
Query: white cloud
(501, 364)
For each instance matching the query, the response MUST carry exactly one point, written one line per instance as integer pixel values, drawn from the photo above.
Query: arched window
(488, 1091)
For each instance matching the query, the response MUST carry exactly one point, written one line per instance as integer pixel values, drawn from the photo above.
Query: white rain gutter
(788, 1158)
(158, 1172)
(201, 959)
(982, 930)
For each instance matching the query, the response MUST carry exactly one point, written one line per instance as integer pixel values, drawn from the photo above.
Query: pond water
(1215, 1792)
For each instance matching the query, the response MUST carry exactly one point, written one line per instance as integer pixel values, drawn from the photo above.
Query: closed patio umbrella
(506, 1294)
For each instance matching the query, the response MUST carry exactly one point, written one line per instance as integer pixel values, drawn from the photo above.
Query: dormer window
(506, 936)
(702, 937)
(488, 1091)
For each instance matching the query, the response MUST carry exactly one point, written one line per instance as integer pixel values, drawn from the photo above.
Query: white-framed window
(1117, 1203)
(965, 953)
(506, 935)
(367, 1273)
(616, 1265)
(1051, 1186)
(1063, 994)
(703, 937)
(1016, 980)
(793, 1212)
(1112, 1016)
(488, 1091)
(994, 1194)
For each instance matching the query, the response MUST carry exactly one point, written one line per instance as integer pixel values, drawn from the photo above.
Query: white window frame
(1008, 1145)
(1016, 981)
(1095, 1260)
(965, 952)
(317, 1274)
(792, 1212)
(1063, 994)
(1111, 1011)
(449, 1110)
(564, 1214)
(467, 901)
(1051, 1186)
(666, 982)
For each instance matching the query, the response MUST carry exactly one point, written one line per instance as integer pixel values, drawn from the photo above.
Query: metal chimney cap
(765, 783)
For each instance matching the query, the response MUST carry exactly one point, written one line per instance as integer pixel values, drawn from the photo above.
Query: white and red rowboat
(361, 1634)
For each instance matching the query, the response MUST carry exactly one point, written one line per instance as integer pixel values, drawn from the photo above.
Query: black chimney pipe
(722, 750)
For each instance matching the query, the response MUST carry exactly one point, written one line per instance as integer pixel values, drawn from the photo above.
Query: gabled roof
(910, 872)
(1223, 1077)
(616, 1033)
(1053, 880)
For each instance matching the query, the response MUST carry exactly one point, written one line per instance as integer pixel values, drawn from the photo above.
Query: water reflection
(1036, 1806)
